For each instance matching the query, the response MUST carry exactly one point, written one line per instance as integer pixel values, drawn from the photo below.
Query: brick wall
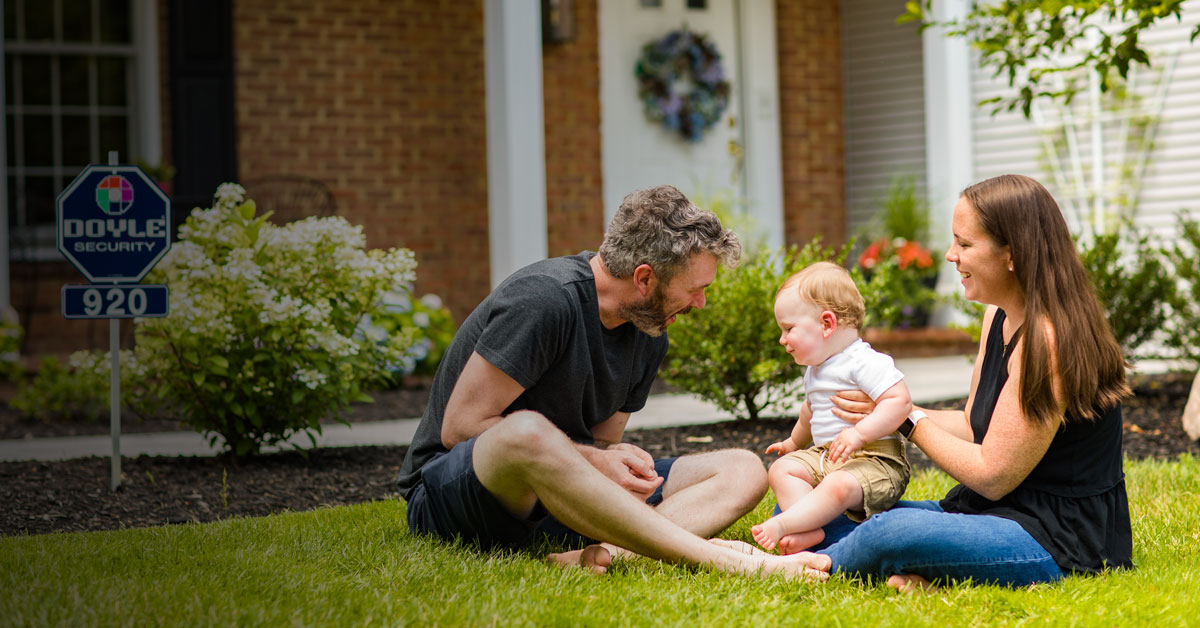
(383, 101)
(810, 93)
(571, 96)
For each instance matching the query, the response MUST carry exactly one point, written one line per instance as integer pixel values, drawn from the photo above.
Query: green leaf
(198, 377)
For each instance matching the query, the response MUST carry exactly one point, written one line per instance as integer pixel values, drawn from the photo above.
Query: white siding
(1007, 142)
(884, 104)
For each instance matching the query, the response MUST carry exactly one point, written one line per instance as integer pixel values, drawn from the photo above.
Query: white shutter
(883, 105)
(1008, 143)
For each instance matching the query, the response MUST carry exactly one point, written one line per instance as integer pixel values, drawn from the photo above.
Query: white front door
(638, 152)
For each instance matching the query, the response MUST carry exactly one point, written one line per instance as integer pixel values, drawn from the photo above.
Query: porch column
(516, 144)
(949, 146)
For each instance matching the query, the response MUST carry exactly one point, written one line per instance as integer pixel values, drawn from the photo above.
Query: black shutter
(203, 126)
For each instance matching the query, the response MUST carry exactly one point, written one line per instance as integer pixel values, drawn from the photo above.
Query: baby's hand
(782, 447)
(848, 442)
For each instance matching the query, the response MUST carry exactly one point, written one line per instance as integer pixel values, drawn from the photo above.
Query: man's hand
(783, 447)
(848, 442)
(627, 465)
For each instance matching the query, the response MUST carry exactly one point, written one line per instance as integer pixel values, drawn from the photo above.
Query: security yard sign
(114, 223)
(114, 301)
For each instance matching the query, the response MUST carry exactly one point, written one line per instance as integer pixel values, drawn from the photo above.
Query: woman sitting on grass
(1037, 451)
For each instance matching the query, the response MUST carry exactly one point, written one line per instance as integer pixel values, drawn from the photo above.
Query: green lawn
(359, 566)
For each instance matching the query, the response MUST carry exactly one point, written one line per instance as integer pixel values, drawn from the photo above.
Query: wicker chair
(291, 197)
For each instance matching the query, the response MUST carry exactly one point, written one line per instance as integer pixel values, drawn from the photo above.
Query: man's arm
(628, 464)
(483, 392)
(480, 396)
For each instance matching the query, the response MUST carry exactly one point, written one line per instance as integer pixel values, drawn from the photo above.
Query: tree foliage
(1029, 41)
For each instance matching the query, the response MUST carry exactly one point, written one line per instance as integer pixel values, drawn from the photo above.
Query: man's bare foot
(767, 533)
(805, 565)
(793, 543)
(594, 558)
(910, 583)
(738, 546)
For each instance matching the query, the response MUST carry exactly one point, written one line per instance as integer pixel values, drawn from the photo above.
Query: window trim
(145, 118)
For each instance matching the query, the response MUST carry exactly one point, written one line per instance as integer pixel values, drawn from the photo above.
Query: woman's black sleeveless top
(1073, 502)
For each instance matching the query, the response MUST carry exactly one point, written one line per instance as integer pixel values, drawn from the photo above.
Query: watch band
(910, 422)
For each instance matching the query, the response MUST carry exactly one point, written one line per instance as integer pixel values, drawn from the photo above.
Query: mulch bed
(74, 495)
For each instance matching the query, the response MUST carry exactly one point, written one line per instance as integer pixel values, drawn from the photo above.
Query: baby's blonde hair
(829, 287)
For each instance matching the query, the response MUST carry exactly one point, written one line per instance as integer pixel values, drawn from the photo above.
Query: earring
(1010, 267)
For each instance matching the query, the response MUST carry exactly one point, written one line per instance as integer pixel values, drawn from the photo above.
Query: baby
(859, 469)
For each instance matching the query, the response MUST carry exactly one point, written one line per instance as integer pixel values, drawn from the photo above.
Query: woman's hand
(852, 406)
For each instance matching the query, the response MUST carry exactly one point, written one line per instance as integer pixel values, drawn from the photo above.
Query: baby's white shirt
(857, 367)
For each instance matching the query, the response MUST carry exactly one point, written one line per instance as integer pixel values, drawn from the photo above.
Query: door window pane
(10, 69)
(114, 135)
(77, 20)
(39, 20)
(73, 79)
(114, 22)
(10, 19)
(12, 203)
(76, 142)
(39, 141)
(39, 196)
(111, 83)
(35, 86)
(10, 144)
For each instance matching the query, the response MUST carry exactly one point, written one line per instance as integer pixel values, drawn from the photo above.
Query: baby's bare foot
(800, 541)
(594, 558)
(910, 583)
(767, 533)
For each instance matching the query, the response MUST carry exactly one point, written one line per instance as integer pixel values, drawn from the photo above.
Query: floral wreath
(666, 60)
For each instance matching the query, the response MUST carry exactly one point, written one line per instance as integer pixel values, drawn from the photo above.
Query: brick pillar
(810, 93)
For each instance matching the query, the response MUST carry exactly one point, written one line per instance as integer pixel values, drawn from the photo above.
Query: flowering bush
(79, 390)
(263, 339)
(427, 319)
(898, 272)
(898, 280)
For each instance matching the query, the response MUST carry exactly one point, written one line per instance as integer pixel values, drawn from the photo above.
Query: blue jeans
(920, 538)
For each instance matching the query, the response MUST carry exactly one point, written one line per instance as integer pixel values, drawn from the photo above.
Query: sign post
(114, 225)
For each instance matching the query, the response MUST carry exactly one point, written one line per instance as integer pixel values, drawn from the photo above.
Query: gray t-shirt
(541, 326)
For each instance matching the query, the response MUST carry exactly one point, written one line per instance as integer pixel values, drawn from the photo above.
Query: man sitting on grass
(521, 439)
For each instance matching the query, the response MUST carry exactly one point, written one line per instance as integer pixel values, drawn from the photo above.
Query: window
(70, 96)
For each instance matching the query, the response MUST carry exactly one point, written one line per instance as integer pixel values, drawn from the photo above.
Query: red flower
(913, 253)
(872, 255)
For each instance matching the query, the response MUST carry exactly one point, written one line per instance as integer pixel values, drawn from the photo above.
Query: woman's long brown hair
(1018, 212)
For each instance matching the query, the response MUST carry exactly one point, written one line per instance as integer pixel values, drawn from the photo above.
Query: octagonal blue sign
(114, 223)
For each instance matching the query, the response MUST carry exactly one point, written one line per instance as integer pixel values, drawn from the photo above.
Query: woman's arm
(1011, 448)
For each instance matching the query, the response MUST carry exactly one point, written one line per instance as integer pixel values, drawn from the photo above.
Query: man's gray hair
(659, 226)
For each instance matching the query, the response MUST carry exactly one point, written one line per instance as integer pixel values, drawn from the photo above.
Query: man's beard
(649, 315)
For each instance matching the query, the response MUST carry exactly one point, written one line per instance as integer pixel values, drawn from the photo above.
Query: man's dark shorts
(450, 502)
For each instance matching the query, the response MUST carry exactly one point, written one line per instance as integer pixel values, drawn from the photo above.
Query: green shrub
(79, 391)
(729, 353)
(1131, 282)
(1184, 257)
(263, 340)
(427, 320)
(972, 312)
